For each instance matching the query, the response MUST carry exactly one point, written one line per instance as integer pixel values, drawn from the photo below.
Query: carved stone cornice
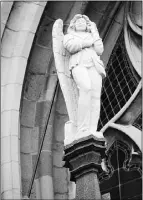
(83, 158)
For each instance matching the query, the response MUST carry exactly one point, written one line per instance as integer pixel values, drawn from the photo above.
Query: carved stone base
(72, 135)
(83, 158)
(83, 134)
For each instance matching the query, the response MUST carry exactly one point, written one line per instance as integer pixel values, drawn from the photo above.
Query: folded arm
(74, 45)
(98, 44)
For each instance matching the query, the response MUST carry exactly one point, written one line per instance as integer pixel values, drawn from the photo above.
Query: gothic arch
(18, 34)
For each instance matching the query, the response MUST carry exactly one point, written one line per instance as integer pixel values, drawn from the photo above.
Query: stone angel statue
(80, 72)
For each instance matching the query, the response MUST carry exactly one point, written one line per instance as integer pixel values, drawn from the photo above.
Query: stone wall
(38, 93)
(18, 32)
(38, 90)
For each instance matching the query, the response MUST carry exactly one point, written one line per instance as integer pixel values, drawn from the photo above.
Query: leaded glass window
(119, 84)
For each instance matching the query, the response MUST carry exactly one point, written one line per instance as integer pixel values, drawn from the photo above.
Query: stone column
(83, 158)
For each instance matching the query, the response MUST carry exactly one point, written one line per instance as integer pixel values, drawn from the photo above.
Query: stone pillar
(83, 158)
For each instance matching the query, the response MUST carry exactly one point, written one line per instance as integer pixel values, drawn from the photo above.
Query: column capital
(83, 158)
(84, 155)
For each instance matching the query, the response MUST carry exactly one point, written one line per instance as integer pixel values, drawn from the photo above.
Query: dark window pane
(128, 77)
(122, 102)
(120, 77)
(119, 51)
(105, 121)
(117, 90)
(133, 88)
(117, 70)
(122, 83)
(108, 109)
(125, 89)
(107, 83)
(106, 103)
(120, 58)
(111, 96)
(103, 115)
(114, 102)
(116, 109)
(104, 96)
(115, 63)
(119, 96)
(131, 84)
(112, 76)
(110, 114)
(124, 69)
(114, 83)
(122, 64)
(127, 96)
(99, 127)
(109, 89)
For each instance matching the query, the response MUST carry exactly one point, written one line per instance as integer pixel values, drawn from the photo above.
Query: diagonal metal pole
(42, 141)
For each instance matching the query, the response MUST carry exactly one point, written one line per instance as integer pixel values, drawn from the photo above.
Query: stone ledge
(84, 156)
(84, 144)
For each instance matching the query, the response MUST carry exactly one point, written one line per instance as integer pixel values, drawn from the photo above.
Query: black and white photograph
(71, 100)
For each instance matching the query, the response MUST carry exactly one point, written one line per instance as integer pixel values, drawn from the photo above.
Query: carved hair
(71, 27)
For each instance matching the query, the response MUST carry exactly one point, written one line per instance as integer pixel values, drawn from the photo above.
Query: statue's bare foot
(68, 140)
(97, 134)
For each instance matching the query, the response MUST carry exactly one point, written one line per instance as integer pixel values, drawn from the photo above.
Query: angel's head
(79, 23)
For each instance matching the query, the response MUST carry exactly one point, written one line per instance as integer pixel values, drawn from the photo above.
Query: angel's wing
(67, 84)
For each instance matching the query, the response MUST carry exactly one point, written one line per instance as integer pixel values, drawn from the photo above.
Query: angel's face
(80, 24)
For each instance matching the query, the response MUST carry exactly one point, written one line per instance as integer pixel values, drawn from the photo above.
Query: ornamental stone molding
(83, 158)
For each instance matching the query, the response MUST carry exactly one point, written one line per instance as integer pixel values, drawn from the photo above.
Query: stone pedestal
(83, 158)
